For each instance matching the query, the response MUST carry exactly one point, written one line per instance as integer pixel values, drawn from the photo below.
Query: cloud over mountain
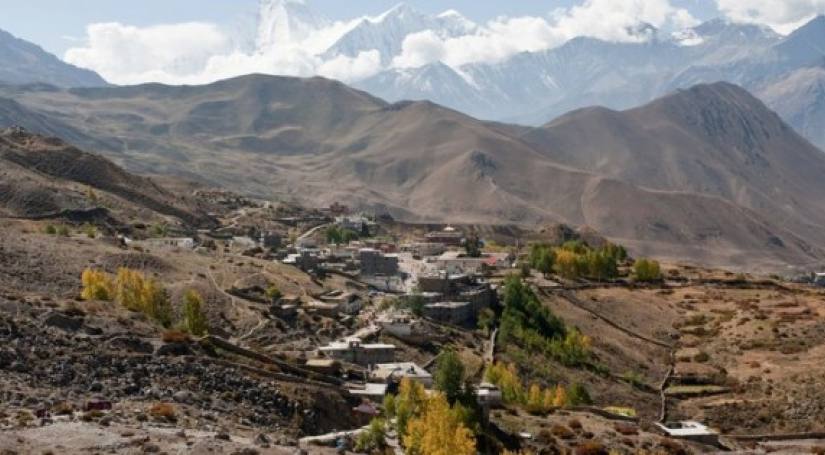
(782, 15)
(294, 40)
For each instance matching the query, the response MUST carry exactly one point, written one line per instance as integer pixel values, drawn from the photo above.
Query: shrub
(90, 231)
(159, 230)
(63, 408)
(591, 448)
(562, 432)
(374, 438)
(626, 429)
(575, 424)
(175, 336)
(701, 357)
(62, 231)
(273, 294)
(50, 229)
(164, 411)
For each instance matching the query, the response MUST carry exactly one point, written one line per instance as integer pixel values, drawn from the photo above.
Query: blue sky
(53, 23)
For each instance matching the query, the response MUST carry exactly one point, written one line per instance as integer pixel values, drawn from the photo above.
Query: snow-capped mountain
(535, 87)
(386, 33)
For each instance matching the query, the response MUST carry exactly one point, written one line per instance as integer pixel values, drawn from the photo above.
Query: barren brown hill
(708, 173)
(44, 177)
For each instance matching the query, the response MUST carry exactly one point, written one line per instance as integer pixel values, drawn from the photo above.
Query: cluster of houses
(439, 284)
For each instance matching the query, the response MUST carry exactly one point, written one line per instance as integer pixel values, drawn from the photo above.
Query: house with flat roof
(374, 262)
(456, 313)
(488, 395)
(371, 391)
(353, 350)
(690, 430)
(186, 243)
(448, 236)
(395, 372)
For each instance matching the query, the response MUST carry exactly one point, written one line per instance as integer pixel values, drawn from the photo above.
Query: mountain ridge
(315, 141)
(24, 62)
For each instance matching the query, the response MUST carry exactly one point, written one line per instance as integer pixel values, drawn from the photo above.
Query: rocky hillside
(45, 177)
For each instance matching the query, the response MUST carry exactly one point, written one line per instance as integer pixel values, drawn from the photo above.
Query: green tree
(159, 230)
(472, 246)
(577, 394)
(449, 374)
(545, 261)
(334, 235)
(374, 438)
(194, 317)
(486, 319)
(647, 270)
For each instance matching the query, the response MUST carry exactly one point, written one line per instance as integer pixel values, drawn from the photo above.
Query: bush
(273, 294)
(164, 411)
(50, 229)
(159, 230)
(591, 448)
(90, 231)
(562, 432)
(175, 336)
(374, 438)
(62, 231)
(626, 429)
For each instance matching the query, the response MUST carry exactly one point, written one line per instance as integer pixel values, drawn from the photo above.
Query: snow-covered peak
(456, 23)
(286, 22)
(400, 11)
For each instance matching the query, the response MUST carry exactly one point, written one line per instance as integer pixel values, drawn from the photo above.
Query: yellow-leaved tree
(439, 430)
(97, 285)
(409, 403)
(137, 293)
(194, 318)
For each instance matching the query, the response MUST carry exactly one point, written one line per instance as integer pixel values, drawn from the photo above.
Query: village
(560, 340)
(399, 291)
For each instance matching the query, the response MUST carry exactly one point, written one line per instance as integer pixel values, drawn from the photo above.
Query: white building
(385, 372)
(353, 350)
(168, 242)
(488, 395)
(690, 430)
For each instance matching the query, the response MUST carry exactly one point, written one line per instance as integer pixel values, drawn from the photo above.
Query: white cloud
(293, 40)
(420, 49)
(612, 20)
(366, 64)
(782, 15)
(126, 54)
